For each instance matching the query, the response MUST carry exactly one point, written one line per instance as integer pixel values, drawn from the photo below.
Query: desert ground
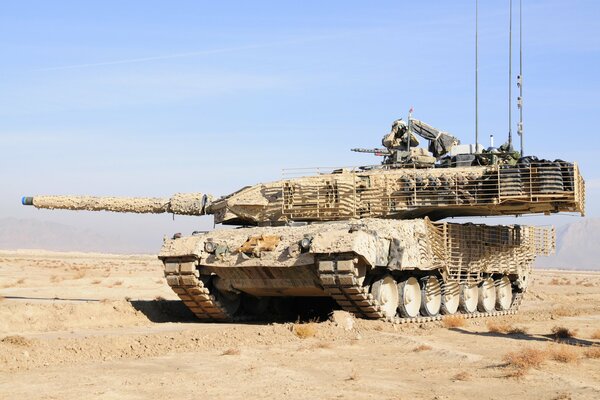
(75, 325)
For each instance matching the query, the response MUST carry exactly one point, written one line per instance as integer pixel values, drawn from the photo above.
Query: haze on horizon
(150, 98)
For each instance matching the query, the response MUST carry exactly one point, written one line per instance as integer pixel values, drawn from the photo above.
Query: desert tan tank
(367, 237)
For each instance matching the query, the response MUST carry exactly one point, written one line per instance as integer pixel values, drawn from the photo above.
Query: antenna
(476, 79)
(510, 74)
(520, 77)
(408, 129)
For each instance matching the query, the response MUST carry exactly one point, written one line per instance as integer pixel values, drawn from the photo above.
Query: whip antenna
(476, 80)
(510, 74)
(520, 77)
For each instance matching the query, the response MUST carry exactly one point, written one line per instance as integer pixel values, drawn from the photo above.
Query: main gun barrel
(180, 203)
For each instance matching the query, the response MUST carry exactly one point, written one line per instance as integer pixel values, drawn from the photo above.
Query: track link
(181, 277)
(339, 279)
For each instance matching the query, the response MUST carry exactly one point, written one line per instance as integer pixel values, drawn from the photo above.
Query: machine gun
(400, 153)
(377, 152)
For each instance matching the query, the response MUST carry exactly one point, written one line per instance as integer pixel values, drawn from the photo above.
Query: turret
(409, 184)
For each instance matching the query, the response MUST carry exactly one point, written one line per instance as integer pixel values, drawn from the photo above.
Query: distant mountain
(577, 246)
(34, 234)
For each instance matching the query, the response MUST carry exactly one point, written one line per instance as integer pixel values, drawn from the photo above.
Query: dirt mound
(35, 317)
(17, 340)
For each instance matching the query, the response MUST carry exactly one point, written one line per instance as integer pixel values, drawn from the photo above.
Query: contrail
(188, 54)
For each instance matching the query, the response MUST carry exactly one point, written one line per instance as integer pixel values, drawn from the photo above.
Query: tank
(372, 240)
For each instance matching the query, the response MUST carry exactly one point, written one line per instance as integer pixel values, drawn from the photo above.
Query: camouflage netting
(185, 204)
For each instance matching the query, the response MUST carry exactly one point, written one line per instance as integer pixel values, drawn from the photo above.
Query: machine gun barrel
(377, 152)
(180, 203)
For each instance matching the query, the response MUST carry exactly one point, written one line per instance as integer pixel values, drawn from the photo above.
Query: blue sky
(151, 98)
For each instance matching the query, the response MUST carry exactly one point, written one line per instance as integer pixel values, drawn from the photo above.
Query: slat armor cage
(468, 251)
(437, 193)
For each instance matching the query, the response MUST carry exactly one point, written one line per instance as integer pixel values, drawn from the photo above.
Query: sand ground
(97, 326)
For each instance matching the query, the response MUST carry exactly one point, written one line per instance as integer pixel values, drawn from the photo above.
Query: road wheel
(385, 292)
(487, 296)
(409, 293)
(468, 298)
(450, 298)
(431, 296)
(503, 293)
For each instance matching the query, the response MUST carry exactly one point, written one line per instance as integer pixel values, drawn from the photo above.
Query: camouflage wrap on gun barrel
(179, 203)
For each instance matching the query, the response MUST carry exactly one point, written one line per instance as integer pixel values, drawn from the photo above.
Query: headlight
(305, 243)
(210, 247)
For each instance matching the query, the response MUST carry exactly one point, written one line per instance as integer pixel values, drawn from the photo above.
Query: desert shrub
(560, 332)
(520, 362)
(564, 354)
(517, 330)
(505, 327)
(559, 281)
(304, 331)
(16, 340)
(498, 327)
(592, 352)
(595, 334)
(422, 347)
(453, 321)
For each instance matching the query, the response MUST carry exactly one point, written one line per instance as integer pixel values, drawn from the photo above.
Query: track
(181, 277)
(339, 279)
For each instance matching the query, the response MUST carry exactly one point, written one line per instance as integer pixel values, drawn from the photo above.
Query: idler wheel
(503, 293)
(487, 296)
(386, 293)
(431, 296)
(450, 298)
(409, 293)
(468, 298)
